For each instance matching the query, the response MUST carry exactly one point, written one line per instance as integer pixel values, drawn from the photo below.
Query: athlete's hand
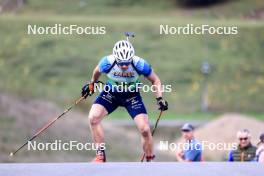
(163, 104)
(88, 89)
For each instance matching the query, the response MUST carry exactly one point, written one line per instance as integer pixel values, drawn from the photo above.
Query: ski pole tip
(11, 154)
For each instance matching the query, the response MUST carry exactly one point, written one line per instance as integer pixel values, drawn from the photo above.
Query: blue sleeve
(193, 154)
(104, 65)
(230, 156)
(143, 68)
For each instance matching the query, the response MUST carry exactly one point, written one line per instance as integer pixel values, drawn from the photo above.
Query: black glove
(87, 89)
(163, 104)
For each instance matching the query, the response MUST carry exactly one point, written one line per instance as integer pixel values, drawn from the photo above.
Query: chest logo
(124, 74)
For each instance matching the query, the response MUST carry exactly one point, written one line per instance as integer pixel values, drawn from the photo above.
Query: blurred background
(42, 74)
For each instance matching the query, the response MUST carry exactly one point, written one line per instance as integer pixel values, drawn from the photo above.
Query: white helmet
(123, 51)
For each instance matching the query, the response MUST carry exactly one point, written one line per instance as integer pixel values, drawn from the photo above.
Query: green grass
(122, 114)
(55, 67)
(228, 9)
(259, 116)
(168, 115)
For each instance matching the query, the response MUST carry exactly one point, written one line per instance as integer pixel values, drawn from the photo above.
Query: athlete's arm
(96, 74)
(88, 88)
(155, 81)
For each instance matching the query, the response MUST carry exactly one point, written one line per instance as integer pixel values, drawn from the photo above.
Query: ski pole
(52, 121)
(152, 133)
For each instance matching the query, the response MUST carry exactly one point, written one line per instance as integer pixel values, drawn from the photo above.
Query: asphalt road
(133, 169)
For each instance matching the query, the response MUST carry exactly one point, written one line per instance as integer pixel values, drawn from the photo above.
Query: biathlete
(122, 67)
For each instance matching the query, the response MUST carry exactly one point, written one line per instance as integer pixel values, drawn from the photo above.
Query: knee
(94, 119)
(145, 131)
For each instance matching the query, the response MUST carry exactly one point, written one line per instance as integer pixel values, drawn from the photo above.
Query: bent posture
(123, 69)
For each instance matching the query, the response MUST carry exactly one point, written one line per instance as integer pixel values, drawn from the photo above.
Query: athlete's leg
(138, 112)
(104, 104)
(96, 114)
(142, 123)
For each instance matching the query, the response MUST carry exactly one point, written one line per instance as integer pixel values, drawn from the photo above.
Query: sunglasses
(123, 64)
(241, 139)
(186, 131)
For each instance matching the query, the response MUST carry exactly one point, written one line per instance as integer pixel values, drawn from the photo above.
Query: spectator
(245, 150)
(192, 150)
(260, 150)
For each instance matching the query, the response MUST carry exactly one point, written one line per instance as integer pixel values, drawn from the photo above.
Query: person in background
(192, 149)
(260, 150)
(245, 150)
